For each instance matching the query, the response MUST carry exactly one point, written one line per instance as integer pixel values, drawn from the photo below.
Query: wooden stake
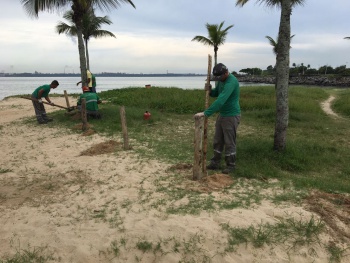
(83, 114)
(124, 128)
(197, 165)
(205, 129)
(66, 97)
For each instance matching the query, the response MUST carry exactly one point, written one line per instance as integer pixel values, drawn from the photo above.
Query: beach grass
(317, 151)
(342, 102)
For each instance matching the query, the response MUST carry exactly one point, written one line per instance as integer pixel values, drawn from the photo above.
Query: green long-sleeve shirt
(227, 102)
(46, 88)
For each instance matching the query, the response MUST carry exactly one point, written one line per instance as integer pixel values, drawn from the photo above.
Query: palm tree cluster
(79, 9)
(281, 48)
(91, 28)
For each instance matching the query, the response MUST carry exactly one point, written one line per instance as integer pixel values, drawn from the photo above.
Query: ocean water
(10, 86)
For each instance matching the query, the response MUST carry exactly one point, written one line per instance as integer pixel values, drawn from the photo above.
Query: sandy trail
(326, 107)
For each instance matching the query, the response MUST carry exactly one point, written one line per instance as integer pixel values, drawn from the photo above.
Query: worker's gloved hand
(40, 101)
(207, 86)
(199, 115)
(52, 104)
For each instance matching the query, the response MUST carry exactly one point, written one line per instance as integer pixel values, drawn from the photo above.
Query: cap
(85, 89)
(218, 71)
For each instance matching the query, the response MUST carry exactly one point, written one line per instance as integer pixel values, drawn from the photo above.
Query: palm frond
(203, 40)
(270, 3)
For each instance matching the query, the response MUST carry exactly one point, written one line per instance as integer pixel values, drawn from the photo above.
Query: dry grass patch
(102, 148)
(214, 182)
(41, 189)
(334, 209)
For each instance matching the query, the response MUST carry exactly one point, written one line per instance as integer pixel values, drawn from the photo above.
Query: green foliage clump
(342, 104)
(172, 100)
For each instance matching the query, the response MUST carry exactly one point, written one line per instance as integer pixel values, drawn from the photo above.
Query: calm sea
(10, 86)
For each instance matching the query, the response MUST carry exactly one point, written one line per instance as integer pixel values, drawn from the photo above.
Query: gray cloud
(156, 37)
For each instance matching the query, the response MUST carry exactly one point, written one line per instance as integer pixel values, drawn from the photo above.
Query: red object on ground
(146, 115)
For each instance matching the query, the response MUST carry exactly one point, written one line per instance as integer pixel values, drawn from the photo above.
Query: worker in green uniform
(227, 104)
(92, 101)
(39, 93)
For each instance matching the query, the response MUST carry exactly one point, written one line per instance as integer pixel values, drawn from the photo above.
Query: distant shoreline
(103, 74)
(316, 80)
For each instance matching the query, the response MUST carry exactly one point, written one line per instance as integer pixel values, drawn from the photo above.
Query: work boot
(230, 164)
(46, 118)
(42, 122)
(213, 166)
(215, 162)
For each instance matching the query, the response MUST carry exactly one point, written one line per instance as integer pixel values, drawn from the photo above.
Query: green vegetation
(342, 102)
(290, 232)
(30, 255)
(317, 151)
(2, 171)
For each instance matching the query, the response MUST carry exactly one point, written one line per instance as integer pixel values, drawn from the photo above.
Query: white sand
(79, 206)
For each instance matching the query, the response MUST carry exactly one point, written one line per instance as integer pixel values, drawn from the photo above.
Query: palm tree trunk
(215, 56)
(82, 56)
(282, 77)
(87, 55)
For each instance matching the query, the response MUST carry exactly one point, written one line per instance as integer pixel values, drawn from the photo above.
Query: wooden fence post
(205, 129)
(124, 128)
(66, 97)
(197, 166)
(83, 114)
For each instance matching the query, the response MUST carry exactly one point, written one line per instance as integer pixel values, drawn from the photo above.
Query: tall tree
(282, 67)
(216, 37)
(91, 28)
(79, 8)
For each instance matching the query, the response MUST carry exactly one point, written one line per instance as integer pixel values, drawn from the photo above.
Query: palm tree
(79, 8)
(216, 37)
(282, 67)
(91, 28)
(274, 43)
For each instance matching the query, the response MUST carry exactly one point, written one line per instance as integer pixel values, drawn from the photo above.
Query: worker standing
(227, 104)
(37, 95)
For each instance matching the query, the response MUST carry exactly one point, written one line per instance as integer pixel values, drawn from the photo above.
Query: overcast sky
(156, 37)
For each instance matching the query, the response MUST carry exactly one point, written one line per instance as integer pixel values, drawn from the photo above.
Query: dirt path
(326, 107)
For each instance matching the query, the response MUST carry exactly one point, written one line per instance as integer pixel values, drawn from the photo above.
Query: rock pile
(339, 81)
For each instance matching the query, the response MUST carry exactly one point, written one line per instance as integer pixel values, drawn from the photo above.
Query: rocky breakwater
(337, 81)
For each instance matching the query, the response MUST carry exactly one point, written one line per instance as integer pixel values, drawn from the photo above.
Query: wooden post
(66, 97)
(205, 128)
(124, 128)
(197, 166)
(83, 114)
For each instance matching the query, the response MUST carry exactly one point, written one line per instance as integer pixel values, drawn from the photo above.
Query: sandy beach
(74, 204)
